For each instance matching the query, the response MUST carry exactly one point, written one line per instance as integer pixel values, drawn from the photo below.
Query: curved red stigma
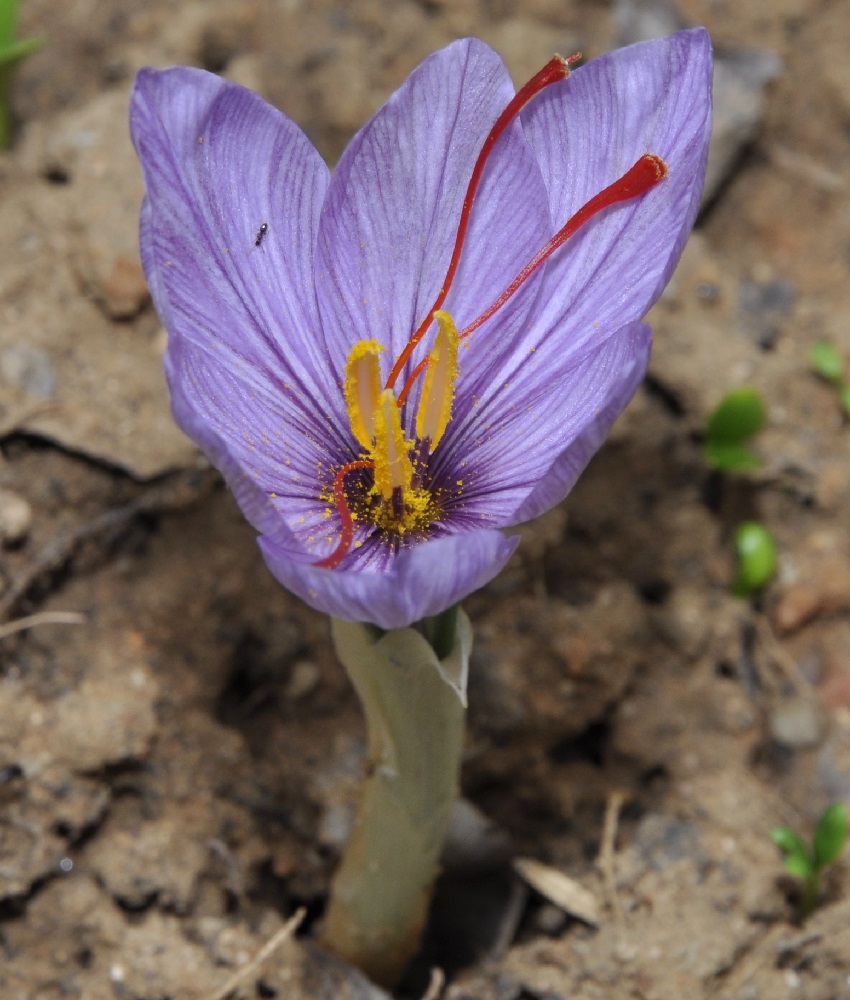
(411, 380)
(346, 520)
(554, 71)
(643, 175)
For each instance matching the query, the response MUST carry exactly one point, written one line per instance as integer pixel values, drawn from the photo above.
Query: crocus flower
(392, 363)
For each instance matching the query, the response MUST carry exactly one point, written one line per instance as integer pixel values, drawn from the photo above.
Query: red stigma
(411, 380)
(648, 171)
(346, 520)
(645, 174)
(554, 71)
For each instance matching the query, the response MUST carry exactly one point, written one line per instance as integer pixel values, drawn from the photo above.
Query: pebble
(826, 593)
(685, 621)
(662, 841)
(764, 306)
(122, 286)
(303, 679)
(28, 368)
(798, 723)
(15, 518)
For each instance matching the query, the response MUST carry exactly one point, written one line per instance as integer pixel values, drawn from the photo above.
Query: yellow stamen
(363, 389)
(393, 468)
(438, 391)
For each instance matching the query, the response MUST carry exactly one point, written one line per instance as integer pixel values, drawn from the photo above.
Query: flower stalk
(415, 710)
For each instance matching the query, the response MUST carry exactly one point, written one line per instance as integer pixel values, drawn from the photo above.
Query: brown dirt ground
(178, 772)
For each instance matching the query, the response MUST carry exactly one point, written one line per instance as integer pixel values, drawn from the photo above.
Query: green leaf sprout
(808, 863)
(757, 558)
(827, 361)
(12, 51)
(739, 416)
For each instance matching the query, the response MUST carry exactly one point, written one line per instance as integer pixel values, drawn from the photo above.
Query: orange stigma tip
(643, 175)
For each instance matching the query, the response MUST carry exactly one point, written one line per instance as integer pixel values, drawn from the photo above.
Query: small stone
(662, 841)
(826, 593)
(123, 287)
(764, 306)
(775, 297)
(15, 518)
(685, 621)
(798, 605)
(335, 825)
(303, 679)
(28, 368)
(798, 723)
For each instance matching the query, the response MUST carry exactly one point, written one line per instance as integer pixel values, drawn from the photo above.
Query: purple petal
(588, 131)
(422, 580)
(391, 216)
(617, 372)
(252, 499)
(219, 163)
(243, 422)
(508, 446)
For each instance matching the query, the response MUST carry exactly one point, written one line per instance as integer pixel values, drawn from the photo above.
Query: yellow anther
(391, 452)
(438, 391)
(363, 389)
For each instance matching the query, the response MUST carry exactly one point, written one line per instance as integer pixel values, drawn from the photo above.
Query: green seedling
(739, 416)
(12, 51)
(757, 558)
(808, 863)
(826, 360)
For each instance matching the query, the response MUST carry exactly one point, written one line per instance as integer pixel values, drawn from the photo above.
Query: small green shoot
(12, 51)
(739, 416)
(826, 360)
(757, 558)
(808, 864)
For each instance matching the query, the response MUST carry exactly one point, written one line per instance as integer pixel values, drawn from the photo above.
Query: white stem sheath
(414, 706)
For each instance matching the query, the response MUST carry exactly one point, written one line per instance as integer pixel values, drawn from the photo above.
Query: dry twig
(606, 861)
(42, 618)
(435, 985)
(252, 967)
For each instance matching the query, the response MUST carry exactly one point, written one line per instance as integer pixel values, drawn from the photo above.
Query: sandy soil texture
(178, 768)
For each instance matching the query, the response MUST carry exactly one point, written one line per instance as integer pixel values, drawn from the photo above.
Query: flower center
(397, 499)
(392, 491)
